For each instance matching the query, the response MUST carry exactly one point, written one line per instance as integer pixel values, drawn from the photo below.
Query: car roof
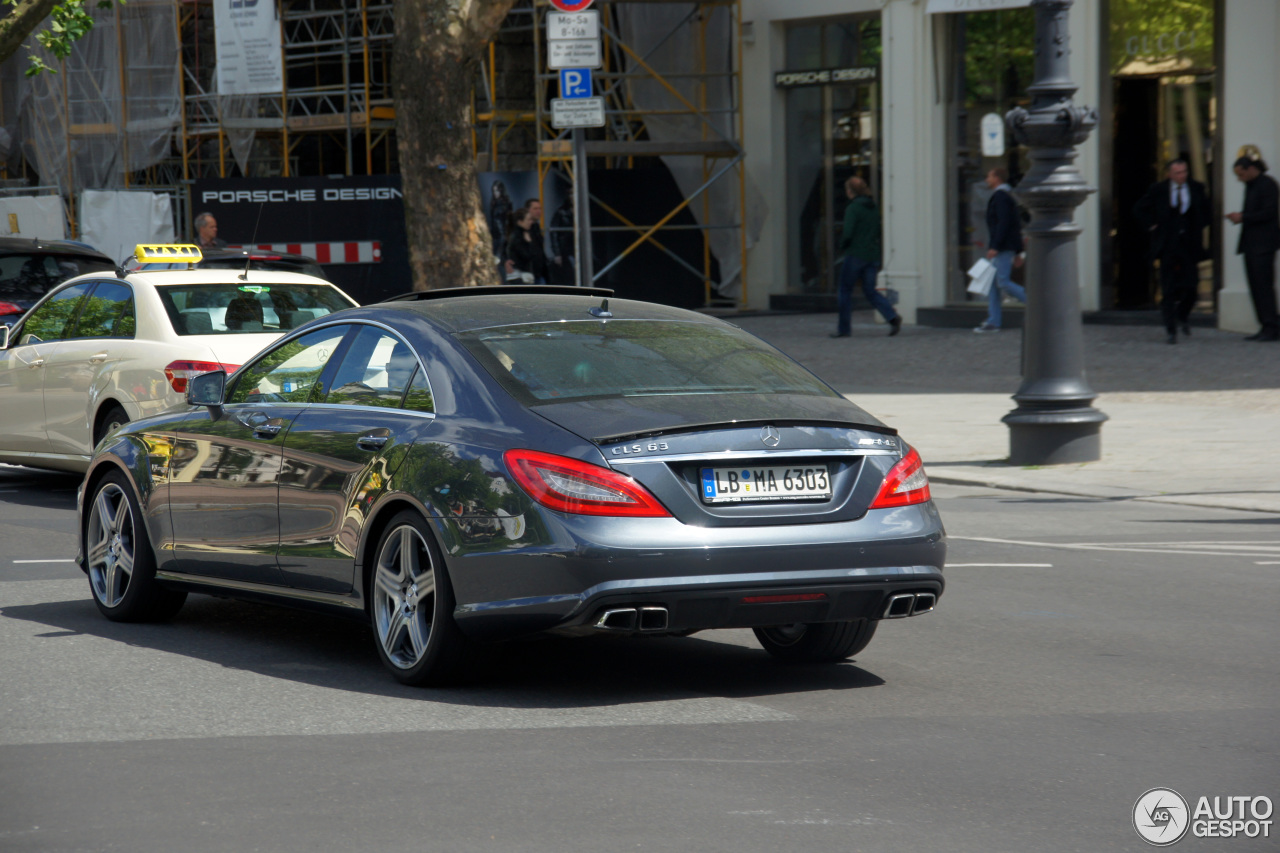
(14, 245)
(486, 307)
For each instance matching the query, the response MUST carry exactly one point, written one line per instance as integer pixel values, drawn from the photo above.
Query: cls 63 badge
(651, 447)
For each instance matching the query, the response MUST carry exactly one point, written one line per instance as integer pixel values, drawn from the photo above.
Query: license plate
(765, 483)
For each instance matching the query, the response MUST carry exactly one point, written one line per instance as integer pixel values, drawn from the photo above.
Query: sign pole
(582, 209)
(574, 49)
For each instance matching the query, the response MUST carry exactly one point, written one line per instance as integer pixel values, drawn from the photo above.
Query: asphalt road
(1085, 651)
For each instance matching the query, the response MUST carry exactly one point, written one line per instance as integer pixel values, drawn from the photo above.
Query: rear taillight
(178, 372)
(9, 308)
(905, 484)
(569, 485)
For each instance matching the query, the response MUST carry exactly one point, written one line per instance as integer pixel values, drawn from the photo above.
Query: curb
(1106, 493)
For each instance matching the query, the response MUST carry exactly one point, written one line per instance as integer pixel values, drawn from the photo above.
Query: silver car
(462, 466)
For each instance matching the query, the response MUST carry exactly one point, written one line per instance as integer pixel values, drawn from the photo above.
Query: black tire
(411, 606)
(122, 566)
(114, 417)
(824, 642)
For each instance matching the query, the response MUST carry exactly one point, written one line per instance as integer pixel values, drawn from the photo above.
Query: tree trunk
(19, 23)
(438, 46)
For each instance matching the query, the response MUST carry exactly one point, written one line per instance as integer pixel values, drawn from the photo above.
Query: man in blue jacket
(1004, 225)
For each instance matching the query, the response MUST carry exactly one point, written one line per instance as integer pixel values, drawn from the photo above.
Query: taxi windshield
(233, 308)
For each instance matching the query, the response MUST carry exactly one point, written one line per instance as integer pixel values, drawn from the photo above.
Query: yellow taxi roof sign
(156, 253)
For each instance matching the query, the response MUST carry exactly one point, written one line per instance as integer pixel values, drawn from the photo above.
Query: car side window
(289, 372)
(419, 398)
(375, 371)
(107, 313)
(50, 321)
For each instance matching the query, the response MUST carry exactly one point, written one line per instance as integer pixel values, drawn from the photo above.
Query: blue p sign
(575, 83)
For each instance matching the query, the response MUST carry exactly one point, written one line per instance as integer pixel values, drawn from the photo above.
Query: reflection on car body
(450, 467)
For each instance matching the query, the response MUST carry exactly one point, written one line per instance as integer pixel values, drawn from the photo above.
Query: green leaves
(69, 22)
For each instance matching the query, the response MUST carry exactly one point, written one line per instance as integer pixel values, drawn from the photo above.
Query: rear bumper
(700, 602)
(700, 576)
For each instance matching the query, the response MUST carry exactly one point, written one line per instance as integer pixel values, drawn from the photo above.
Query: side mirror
(206, 389)
(4, 337)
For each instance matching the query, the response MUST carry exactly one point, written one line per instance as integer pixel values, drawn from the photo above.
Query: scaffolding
(137, 108)
(335, 115)
(662, 101)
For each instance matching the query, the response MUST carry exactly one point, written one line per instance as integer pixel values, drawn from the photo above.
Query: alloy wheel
(111, 545)
(404, 589)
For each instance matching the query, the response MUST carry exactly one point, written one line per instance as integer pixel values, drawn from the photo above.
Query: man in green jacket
(860, 248)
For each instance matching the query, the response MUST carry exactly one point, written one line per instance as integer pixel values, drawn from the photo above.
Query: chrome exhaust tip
(618, 619)
(925, 602)
(653, 619)
(899, 606)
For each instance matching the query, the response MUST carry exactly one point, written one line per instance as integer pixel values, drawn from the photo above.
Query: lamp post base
(1054, 438)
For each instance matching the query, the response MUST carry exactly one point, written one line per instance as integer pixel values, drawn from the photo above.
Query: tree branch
(18, 24)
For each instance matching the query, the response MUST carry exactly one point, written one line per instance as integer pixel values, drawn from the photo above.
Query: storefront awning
(936, 6)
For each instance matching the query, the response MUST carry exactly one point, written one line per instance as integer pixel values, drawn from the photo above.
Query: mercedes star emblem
(770, 436)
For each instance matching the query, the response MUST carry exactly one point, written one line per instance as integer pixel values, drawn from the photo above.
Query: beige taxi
(106, 348)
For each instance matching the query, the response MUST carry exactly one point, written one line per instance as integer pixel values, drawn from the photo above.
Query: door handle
(267, 429)
(374, 440)
(99, 358)
(36, 362)
(372, 443)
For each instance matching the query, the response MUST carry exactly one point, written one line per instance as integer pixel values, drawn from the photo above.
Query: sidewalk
(1196, 424)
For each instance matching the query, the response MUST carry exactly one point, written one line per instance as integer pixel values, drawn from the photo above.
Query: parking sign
(575, 82)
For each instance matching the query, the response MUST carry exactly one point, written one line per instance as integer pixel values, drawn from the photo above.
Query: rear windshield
(635, 358)
(28, 277)
(232, 308)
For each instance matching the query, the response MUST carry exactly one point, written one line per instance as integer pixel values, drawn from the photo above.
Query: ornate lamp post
(1054, 422)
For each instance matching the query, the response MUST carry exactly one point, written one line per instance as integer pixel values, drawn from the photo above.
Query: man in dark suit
(1176, 210)
(1259, 240)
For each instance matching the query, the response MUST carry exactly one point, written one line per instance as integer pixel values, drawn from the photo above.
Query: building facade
(911, 94)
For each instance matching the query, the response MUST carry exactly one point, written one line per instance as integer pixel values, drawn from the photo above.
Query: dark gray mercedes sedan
(481, 464)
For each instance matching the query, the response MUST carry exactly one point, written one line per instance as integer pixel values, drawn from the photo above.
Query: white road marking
(1086, 546)
(1267, 563)
(1000, 565)
(44, 561)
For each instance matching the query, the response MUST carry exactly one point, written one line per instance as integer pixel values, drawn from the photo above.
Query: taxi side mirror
(206, 389)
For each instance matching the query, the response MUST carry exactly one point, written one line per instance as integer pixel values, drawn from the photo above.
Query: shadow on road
(30, 487)
(542, 673)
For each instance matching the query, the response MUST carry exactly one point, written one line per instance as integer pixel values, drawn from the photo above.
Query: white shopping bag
(983, 273)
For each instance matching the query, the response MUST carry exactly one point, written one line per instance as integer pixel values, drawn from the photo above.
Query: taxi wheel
(411, 606)
(114, 417)
(825, 642)
(122, 566)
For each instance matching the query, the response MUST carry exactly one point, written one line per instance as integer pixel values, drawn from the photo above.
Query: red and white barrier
(352, 252)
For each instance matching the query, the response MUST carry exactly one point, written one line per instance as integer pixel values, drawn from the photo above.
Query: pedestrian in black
(1259, 240)
(1176, 211)
(526, 258)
